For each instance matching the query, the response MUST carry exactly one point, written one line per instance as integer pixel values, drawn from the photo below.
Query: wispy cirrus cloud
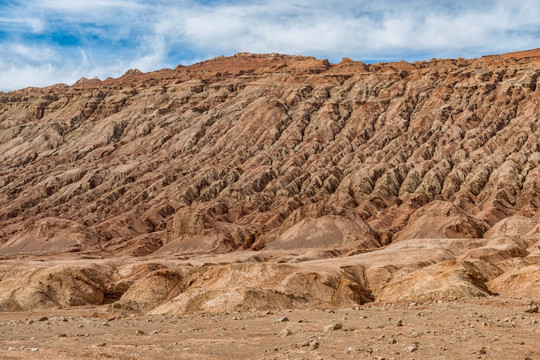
(33, 24)
(47, 41)
(80, 6)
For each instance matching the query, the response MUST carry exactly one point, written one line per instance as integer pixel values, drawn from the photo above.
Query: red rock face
(344, 184)
(240, 152)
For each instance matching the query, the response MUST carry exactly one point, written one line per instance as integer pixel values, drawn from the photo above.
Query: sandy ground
(492, 328)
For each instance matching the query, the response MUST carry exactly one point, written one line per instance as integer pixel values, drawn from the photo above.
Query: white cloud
(387, 29)
(78, 6)
(22, 76)
(120, 34)
(30, 53)
(34, 24)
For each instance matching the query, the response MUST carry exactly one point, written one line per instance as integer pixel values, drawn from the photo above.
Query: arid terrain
(188, 209)
(470, 329)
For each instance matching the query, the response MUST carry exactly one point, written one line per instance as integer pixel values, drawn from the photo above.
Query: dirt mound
(512, 226)
(152, 290)
(521, 283)
(52, 235)
(441, 219)
(446, 280)
(196, 232)
(326, 232)
(27, 288)
(265, 287)
(499, 249)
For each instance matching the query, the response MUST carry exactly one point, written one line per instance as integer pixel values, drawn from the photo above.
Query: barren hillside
(273, 181)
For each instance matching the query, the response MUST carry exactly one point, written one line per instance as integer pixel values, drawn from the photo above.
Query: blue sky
(43, 42)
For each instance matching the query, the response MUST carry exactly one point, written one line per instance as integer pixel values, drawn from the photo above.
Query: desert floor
(490, 328)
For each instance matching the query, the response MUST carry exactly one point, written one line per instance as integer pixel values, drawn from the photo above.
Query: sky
(44, 42)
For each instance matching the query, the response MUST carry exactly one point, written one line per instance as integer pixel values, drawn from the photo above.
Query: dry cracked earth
(386, 210)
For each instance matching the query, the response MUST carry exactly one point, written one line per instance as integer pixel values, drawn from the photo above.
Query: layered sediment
(273, 181)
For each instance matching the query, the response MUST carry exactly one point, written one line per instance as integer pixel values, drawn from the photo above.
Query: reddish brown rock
(370, 180)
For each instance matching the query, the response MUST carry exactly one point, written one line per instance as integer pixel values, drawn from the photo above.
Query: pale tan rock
(51, 235)
(522, 283)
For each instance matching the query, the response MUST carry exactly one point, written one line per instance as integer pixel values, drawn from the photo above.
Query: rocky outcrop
(230, 153)
(264, 286)
(371, 181)
(28, 287)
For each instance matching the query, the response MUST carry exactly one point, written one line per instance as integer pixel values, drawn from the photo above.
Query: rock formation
(273, 181)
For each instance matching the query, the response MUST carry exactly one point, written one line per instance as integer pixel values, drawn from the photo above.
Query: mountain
(273, 180)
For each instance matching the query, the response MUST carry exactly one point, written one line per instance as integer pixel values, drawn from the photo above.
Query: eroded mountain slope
(411, 181)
